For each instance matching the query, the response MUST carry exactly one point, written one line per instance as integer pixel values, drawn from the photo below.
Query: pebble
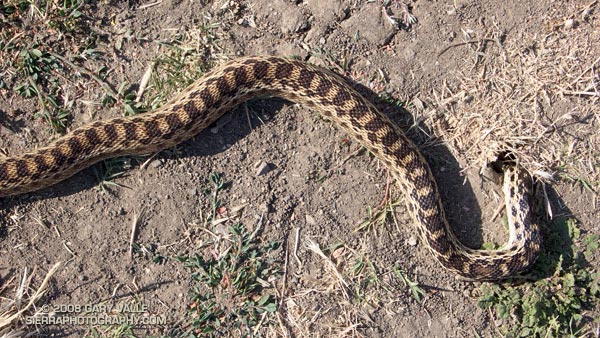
(412, 241)
(570, 23)
(156, 164)
(193, 191)
(262, 168)
(310, 220)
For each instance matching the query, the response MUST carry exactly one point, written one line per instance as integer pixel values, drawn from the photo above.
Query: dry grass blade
(535, 98)
(314, 247)
(137, 219)
(12, 311)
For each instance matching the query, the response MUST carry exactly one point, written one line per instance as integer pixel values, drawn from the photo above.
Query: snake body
(203, 102)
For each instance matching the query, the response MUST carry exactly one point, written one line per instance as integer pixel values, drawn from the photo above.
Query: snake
(319, 89)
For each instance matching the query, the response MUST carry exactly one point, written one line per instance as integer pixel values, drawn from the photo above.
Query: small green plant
(217, 184)
(580, 181)
(339, 64)
(149, 250)
(379, 215)
(416, 291)
(555, 304)
(230, 287)
(35, 67)
(365, 278)
(187, 57)
(108, 171)
(389, 99)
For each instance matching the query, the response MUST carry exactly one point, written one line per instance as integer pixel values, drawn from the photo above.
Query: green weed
(229, 292)
(558, 303)
(33, 28)
(108, 171)
(149, 251)
(217, 183)
(416, 291)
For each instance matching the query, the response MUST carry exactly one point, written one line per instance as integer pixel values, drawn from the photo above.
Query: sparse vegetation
(109, 171)
(53, 59)
(562, 294)
(231, 292)
(32, 71)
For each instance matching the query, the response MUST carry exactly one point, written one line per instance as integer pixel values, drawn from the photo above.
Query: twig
(577, 93)
(285, 272)
(150, 4)
(144, 82)
(147, 162)
(584, 72)
(314, 247)
(13, 39)
(465, 43)
(134, 225)
(259, 325)
(498, 211)
(38, 293)
(387, 191)
(260, 223)
(296, 243)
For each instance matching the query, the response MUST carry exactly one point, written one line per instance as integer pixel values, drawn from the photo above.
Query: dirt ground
(423, 63)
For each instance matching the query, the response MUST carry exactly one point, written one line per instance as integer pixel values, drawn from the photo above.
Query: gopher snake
(206, 100)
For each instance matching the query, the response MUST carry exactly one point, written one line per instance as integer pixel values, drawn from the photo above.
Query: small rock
(310, 220)
(262, 168)
(412, 241)
(156, 164)
(193, 191)
(570, 23)
(247, 22)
